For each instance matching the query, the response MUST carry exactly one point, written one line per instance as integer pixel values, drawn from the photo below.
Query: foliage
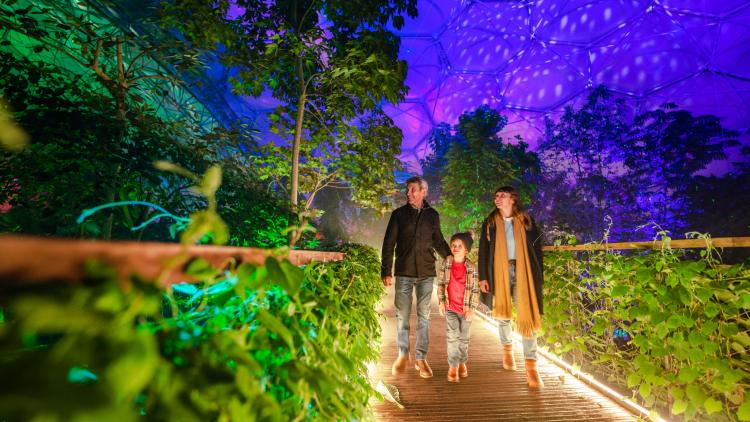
(673, 330)
(65, 120)
(330, 62)
(270, 342)
(601, 165)
(360, 159)
(679, 145)
(477, 162)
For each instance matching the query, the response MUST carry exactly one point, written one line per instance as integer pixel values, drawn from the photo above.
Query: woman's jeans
(404, 291)
(504, 326)
(458, 338)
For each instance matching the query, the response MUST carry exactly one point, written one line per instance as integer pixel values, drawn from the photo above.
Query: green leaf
(12, 137)
(633, 379)
(679, 407)
(711, 310)
(620, 290)
(695, 393)
(712, 405)
(130, 374)
(696, 355)
(743, 412)
(746, 301)
(211, 181)
(688, 374)
(728, 329)
(251, 276)
(645, 390)
(274, 324)
(674, 321)
(294, 276)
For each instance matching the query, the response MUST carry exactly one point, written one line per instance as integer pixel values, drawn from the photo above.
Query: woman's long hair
(517, 210)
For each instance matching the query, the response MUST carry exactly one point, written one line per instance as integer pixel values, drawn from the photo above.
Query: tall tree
(115, 59)
(580, 151)
(477, 162)
(664, 151)
(332, 60)
(600, 163)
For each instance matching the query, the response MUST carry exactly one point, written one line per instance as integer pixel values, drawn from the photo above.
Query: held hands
(387, 280)
(441, 308)
(484, 286)
(469, 314)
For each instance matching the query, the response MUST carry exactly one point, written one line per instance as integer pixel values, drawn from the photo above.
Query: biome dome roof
(531, 58)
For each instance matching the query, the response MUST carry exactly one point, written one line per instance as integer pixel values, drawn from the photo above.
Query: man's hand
(387, 280)
(484, 286)
(469, 315)
(441, 308)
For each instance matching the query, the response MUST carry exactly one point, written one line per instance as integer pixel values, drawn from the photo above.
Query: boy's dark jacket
(487, 254)
(414, 234)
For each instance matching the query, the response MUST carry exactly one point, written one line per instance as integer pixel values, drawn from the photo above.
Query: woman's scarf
(528, 319)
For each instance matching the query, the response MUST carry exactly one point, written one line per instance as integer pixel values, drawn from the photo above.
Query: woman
(510, 268)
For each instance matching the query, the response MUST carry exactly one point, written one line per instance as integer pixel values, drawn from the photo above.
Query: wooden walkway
(489, 393)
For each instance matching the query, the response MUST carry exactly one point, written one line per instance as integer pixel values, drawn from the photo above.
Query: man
(414, 232)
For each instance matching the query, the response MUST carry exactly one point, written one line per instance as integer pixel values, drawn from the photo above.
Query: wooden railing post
(26, 260)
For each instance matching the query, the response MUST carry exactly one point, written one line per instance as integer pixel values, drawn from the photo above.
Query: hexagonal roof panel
(530, 58)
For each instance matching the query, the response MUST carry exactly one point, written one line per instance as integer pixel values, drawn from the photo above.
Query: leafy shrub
(672, 329)
(271, 342)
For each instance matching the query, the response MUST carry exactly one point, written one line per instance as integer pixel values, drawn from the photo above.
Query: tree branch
(120, 65)
(95, 63)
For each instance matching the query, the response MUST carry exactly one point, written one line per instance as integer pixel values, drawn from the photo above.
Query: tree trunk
(120, 92)
(296, 146)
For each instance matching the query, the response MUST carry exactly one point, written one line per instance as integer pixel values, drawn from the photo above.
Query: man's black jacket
(414, 234)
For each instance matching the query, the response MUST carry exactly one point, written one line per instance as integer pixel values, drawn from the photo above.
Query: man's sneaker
(400, 364)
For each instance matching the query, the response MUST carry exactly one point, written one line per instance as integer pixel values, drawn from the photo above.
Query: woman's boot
(509, 361)
(532, 375)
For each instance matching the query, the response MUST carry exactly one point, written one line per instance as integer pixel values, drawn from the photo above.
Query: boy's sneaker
(452, 374)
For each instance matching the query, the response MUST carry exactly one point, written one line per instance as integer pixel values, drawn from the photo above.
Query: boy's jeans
(404, 288)
(458, 338)
(504, 326)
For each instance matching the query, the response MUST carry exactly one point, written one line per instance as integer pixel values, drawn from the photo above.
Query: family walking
(508, 274)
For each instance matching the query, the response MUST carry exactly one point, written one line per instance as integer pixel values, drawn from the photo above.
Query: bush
(271, 342)
(672, 329)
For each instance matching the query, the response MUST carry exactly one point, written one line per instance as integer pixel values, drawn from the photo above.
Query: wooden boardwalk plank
(489, 393)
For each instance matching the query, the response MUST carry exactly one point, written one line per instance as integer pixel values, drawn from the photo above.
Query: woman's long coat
(487, 254)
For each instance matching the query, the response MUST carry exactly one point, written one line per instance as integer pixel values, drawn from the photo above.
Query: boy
(458, 295)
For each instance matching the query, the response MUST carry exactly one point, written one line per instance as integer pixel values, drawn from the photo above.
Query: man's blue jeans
(405, 286)
(504, 326)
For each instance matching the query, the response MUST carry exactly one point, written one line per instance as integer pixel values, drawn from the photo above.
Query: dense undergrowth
(271, 342)
(671, 328)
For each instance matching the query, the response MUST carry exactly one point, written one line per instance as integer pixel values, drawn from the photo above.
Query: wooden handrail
(27, 260)
(718, 242)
